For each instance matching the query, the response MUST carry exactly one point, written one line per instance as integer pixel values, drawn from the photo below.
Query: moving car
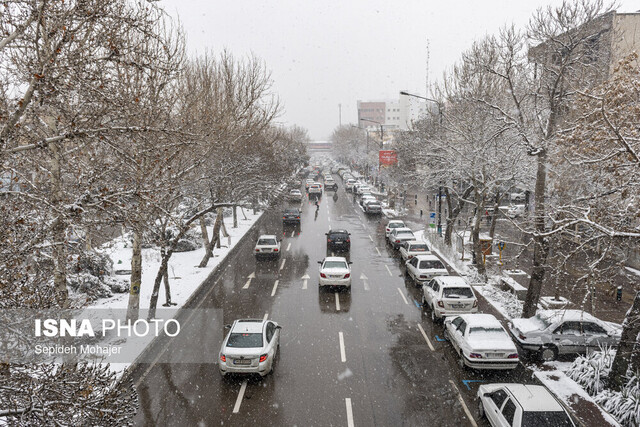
(481, 342)
(394, 223)
(373, 207)
(334, 272)
(295, 196)
(338, 240)
(553, 332)
(399, 235)
(366, 199)
(291, 215)
(330, 184)
(422, 268)
(349, 185)
(315, 188)
(267, 246)
(520, 405)
(448, 296)
(411, 248)
(250, 347)
(307, 183)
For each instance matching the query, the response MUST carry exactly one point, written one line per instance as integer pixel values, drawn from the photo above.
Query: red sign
(388, 157)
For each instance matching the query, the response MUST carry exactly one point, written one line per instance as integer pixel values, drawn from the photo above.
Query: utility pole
(439, 211)
(340, 114)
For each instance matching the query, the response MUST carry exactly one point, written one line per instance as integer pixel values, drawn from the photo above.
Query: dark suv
(338, 240)
(291, 215)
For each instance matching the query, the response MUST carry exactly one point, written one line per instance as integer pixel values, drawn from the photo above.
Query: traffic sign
(501, 245)
(432, 219)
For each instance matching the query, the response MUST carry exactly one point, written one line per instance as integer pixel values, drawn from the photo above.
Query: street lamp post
(381, 140)
(402, 92)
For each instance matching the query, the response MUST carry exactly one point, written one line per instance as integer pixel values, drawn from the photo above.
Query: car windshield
(338, 235)
(335, 264)
(420, 247)
(396, 225)
(461, 292)
(244, 340)
(427, 265)
(264, 242)
(545, 418)
(373, 203)
(485, 330)
(291, 211)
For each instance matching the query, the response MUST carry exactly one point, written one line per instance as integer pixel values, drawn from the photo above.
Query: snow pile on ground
(505, 302)
(590, 372)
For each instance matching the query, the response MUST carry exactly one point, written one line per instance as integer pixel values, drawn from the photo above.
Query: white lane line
(389, 270)
(403, 297)
(305, 278)
(378, 250)
(366, 285)
(347, 401)
(289, 246)
(275, 286)
(464, 406)
(343, 355)
(426, 338)
(370, 238)
(337, 302)
(243, 387)
(292, 232)
(266, 316)
(282, 265)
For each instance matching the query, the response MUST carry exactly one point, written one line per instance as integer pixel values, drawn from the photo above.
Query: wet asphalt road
(392, 370)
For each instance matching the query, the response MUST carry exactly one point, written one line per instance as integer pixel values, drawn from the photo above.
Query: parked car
(373, 207)
(349, 185)
(481, 342)
(422, 268)
(295, 196)
(330, 184)
(250, 347)
(307, 183)
(394, 223)
(315, 188)
(338, 240)
(267, 246)
(291, 215)
(520, 405)
(515, 211)
(411, 248)
(448, 296)
(553, 332)
(364, 199)
(334, 272)
(364, 188)
(399, 235)
(517, 197)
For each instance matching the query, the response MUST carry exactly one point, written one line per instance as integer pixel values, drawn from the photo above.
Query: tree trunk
(167, 288)
(205, 237)
(214, 240)
(235, 217)
(627, 351)
(59, 231)
(540, 243)
(494, 216)
(475, 234)
(133, 310)
(454, 212)
(243, 214)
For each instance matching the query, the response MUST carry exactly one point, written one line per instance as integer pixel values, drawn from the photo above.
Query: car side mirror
(319, 262)
(350, 262)
(326, 234)
(227, 326)
(278, 327)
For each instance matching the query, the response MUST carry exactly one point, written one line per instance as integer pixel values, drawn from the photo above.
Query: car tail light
(475, 303)
(440, 304)
(275, 250)
(328, 240)
(223, 358)
(324, 276)
(348, 240)
(284, 217)
(346, 276)
(475, 356)
(410, 256)
(297, 217)
(422, 276)
(388, 230)
(257, 250)
(513, 356)
(263, 357)
(397, 240)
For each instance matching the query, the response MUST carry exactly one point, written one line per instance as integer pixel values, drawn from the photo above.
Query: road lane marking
(347, 402)
(370, 238)
(305, 278)
(288, 246)
(365, 279)
(403, 297)
(378, 250)
(275, 286)
(343, 355)
(243, 387)
(292, 232)
(389, 270)
(282, 265)
(426, 338)
(266, 316)
(464, 405)
(337, 302)
(249, 277)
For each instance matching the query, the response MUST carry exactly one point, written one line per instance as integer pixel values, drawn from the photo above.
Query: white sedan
(250, 347)
(481, 342)
(520, 405)
(267, 245)
(394, 223)
(335, 272)
(448, 296)
(411, 248)
(422, 268)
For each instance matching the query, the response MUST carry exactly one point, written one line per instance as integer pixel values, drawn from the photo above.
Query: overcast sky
(329, 52)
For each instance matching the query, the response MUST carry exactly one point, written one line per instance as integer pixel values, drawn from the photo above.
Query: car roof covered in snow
(481, 320)
(335, 258)
(427, 257)
(534, 398)
(565, 315)
(249, 326)
(267, 236)
(451, 280)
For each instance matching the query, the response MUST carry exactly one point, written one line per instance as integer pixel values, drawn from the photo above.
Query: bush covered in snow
(590, 372)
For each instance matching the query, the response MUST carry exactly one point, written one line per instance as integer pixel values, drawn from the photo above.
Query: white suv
(448, 295)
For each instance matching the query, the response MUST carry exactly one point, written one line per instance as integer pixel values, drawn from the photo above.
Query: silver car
(553, 332)
(250, 347)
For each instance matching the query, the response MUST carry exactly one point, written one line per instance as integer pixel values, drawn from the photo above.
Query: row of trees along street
(539, 109)
(107, 124)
